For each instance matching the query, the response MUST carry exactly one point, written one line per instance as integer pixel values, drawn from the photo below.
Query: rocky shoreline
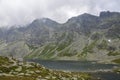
(12, 69)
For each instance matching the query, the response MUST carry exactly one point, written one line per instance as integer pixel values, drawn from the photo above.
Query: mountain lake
(99, 70)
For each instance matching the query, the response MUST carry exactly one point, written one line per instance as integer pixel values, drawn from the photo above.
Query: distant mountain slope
(84, 37)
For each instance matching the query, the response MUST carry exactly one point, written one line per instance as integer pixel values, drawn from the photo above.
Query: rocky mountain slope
(84, 37)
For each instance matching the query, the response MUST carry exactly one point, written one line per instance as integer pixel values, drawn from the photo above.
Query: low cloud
(20, 12)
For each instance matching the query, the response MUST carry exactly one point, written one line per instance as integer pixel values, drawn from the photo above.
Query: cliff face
(83, 37)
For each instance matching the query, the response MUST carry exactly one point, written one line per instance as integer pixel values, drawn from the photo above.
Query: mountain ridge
(84, 37)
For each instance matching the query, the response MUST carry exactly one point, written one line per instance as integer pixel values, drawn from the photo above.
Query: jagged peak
(105, 14)
(84, 16)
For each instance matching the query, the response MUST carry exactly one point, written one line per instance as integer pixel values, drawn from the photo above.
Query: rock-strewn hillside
(12, 69)
(85, 37)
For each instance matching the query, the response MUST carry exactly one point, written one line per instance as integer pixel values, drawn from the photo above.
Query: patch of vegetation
(68, 53)
(63, 45)
(117, 70)
(44, 52)
(116, 61)
(103, 45)
(111, 53)
(4, 61)
(88, 49)
(48, 51)
(66, 42)
(48, 48)
(5, 69)
(32, 47)
(16, 78)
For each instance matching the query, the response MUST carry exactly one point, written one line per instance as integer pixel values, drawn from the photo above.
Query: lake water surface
(96, 69)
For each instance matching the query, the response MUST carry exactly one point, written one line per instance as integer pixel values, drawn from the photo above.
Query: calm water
(82, 66)
(76, 66)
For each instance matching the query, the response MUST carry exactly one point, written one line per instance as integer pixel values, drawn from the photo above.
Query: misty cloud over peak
(18, 12)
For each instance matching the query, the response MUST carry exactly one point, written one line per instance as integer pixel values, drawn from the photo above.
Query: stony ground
(11, 69)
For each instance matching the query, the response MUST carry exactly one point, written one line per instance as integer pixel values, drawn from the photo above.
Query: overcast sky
(20, 12)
